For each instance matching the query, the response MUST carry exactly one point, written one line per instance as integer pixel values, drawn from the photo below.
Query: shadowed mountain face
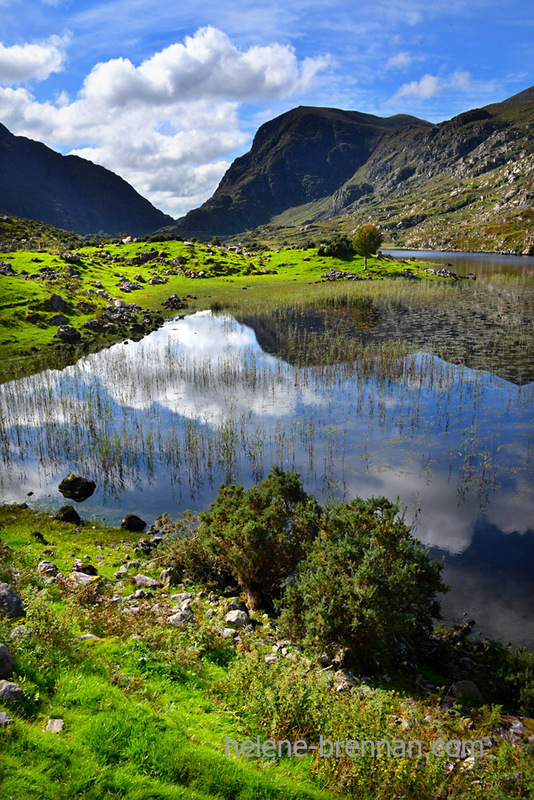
(69, 192)
(299, 157)
(317, 163)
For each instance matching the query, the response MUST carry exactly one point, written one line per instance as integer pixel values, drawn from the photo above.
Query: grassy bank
(200, 275)
(147, 705)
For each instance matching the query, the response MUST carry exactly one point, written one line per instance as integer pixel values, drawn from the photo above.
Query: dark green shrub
(260, 534)
(366, 585)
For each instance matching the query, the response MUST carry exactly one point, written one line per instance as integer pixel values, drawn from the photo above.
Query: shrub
(366, 585)
(260, 534)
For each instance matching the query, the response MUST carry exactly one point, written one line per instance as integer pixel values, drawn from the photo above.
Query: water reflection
(159, 423)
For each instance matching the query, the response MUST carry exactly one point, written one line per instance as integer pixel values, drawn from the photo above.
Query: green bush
(366, 585)
(260, 534)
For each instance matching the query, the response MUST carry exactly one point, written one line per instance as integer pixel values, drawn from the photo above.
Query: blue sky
(168, 94)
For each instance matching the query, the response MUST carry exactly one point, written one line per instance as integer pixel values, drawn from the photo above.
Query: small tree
(366, 585)
(260, 534)
(366, 241)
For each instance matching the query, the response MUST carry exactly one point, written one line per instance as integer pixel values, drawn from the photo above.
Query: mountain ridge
(69, 192)
(314, 164)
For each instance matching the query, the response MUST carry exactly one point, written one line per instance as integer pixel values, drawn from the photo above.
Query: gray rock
(68, 514)
(55, 725)
(7, 662)
(79, 579)
(85, 637)
(181, 597)
(19, 632)
(181, 618)
(4, 719)
(58, 303)
(77, 488)
(465, 692)
(68, 334)
(10, 693)
(169, 575)
(237, 617)
(10, 602)
(132, 522)
(227, 633)
(144, 581)
(47, 568)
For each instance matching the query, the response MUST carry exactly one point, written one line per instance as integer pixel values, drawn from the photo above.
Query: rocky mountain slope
(69, 192)
(467, 182)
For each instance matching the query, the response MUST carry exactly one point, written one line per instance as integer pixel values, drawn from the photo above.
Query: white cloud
(20, 63)
(168, 125)
(208, 66)
(402, 60)
(430, 86)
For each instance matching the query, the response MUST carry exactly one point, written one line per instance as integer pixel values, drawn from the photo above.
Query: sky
(166, 94)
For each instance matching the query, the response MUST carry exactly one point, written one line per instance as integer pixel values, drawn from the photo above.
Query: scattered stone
(4, 719)
(68, 334)
(19, 632)
(85, 637)
(7, 662)
(181, 618)
(10, 602)
(68, 514)
(76, 488)
(77, 579)
(132, 522)
(47, 569)
(169, 576)
(83, 567)
(144, 581)
(55, 725)
(227, 633)
(58, 303)
(465, 692)
(237, 617)
(10, 693)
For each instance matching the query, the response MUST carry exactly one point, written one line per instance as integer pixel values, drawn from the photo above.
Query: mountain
(69, 192)
(466, 182)
(299, 157)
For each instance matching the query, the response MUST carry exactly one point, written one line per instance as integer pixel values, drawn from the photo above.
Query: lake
(393, 388)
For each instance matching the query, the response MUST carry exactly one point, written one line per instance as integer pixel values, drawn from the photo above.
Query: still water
(159, 423)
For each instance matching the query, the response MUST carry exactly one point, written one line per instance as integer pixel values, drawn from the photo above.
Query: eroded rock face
(77, 488)
(10, 602)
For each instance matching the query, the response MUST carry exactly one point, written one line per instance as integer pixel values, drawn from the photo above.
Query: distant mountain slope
(467, 182)
(69, 192)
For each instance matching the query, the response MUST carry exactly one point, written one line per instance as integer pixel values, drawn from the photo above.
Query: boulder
(465, 692)
(68, 334)
(132, 522)
(76, 488)
(68, 514)
(237, 617)
(83, 567)
(143, 581)
(47, 569)
(58, 303)
(4, 719)
(181, 618)
(7, 662)
(55, 725)
(10, 602)
(10, 693)
(170, 575)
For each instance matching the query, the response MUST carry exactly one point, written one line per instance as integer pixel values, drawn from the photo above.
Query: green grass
(26, 320)
(147, 706)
